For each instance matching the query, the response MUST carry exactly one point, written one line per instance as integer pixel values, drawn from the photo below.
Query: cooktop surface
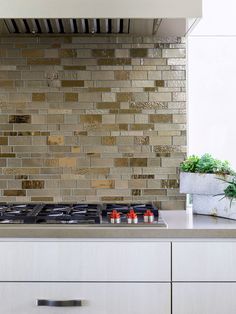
(97, 214)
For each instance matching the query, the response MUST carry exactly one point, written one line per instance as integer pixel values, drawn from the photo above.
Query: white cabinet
(118, 277)
(108, 277)
(96, 298)
(204, 261)
(204, 275)
(204, 298)
(84, 261)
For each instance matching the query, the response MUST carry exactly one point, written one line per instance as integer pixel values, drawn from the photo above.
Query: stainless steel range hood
(149, 17)
(162, 27)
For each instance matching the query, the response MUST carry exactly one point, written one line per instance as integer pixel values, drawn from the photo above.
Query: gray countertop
(181, 224)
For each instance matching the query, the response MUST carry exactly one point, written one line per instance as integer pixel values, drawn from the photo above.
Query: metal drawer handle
(59, 303)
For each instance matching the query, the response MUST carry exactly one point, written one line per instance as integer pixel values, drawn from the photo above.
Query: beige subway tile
(171, 53)
(177, 96)
(122, 53)
(3, 140)
(55, 140)
(108, 97)
(33, 53)
(113, 192)
(21, 171)
(137, 184)
(55, 119)
(179, 118)
(43, 61)
(122, 75)
(154, 192)
(90, 140)
(121, 184)
(108, 105)
(160, 96)
(14, 193)
(68, 53)
(142, 83)
(38, 97)
(108, 119)
(108, 140)
(103, 184)
(90, 97)
(20, 140)
(159, 140)
(103, 75)
(73, 97)
(176, 61)
(179, 140)
(154, 162)
(161, 118)
(72, 83)
(103, 53)
(38, 119)
(173, 75)
(33, 75)
(68, 162)
(54, 97)
(91, 119)
(51, 53)
(138, 162)
(138, 75)
(124, 118)
(75, 149)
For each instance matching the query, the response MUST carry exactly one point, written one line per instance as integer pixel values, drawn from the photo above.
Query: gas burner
(103, 214)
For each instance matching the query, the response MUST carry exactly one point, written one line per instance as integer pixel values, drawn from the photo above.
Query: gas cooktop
(98, 214)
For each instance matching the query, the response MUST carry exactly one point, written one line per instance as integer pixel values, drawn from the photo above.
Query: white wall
(212, 82)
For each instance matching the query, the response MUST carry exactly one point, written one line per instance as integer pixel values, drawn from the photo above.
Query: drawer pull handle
(59, 303)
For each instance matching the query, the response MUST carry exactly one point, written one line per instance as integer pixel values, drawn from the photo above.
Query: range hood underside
(160, 27)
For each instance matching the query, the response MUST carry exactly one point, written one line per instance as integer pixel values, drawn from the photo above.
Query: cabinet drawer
(84, 261)
(102, 298)
(204, 261)
(204, 298)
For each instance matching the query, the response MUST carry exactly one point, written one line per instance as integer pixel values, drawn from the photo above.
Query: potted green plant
(199, 175)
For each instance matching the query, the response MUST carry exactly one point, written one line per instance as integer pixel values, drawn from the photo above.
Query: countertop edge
(57, 233)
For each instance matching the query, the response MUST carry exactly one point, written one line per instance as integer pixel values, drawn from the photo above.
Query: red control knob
(148, 216)
(115, 217)
(132, 217)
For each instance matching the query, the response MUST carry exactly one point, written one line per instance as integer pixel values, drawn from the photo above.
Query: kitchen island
(186, 268)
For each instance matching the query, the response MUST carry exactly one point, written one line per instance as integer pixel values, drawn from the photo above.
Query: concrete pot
(214, 205)
(202, 183)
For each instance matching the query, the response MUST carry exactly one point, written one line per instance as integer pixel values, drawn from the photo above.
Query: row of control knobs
(132, 217)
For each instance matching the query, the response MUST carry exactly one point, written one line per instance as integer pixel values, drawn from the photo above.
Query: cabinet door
(84, 261)
(204, 261)
(204, 298)
(96, 298)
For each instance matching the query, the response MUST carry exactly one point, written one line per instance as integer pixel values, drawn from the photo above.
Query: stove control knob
(148, 216)
(115, 217)
(132, 217)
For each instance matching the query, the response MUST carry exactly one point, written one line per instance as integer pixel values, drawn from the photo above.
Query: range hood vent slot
(68, 26)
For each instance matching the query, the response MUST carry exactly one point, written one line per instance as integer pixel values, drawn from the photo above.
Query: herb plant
(206, 164)
(230, 190)
(190, 164)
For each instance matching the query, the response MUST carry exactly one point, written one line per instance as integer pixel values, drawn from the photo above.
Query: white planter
(202, 183)
(214, 205)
